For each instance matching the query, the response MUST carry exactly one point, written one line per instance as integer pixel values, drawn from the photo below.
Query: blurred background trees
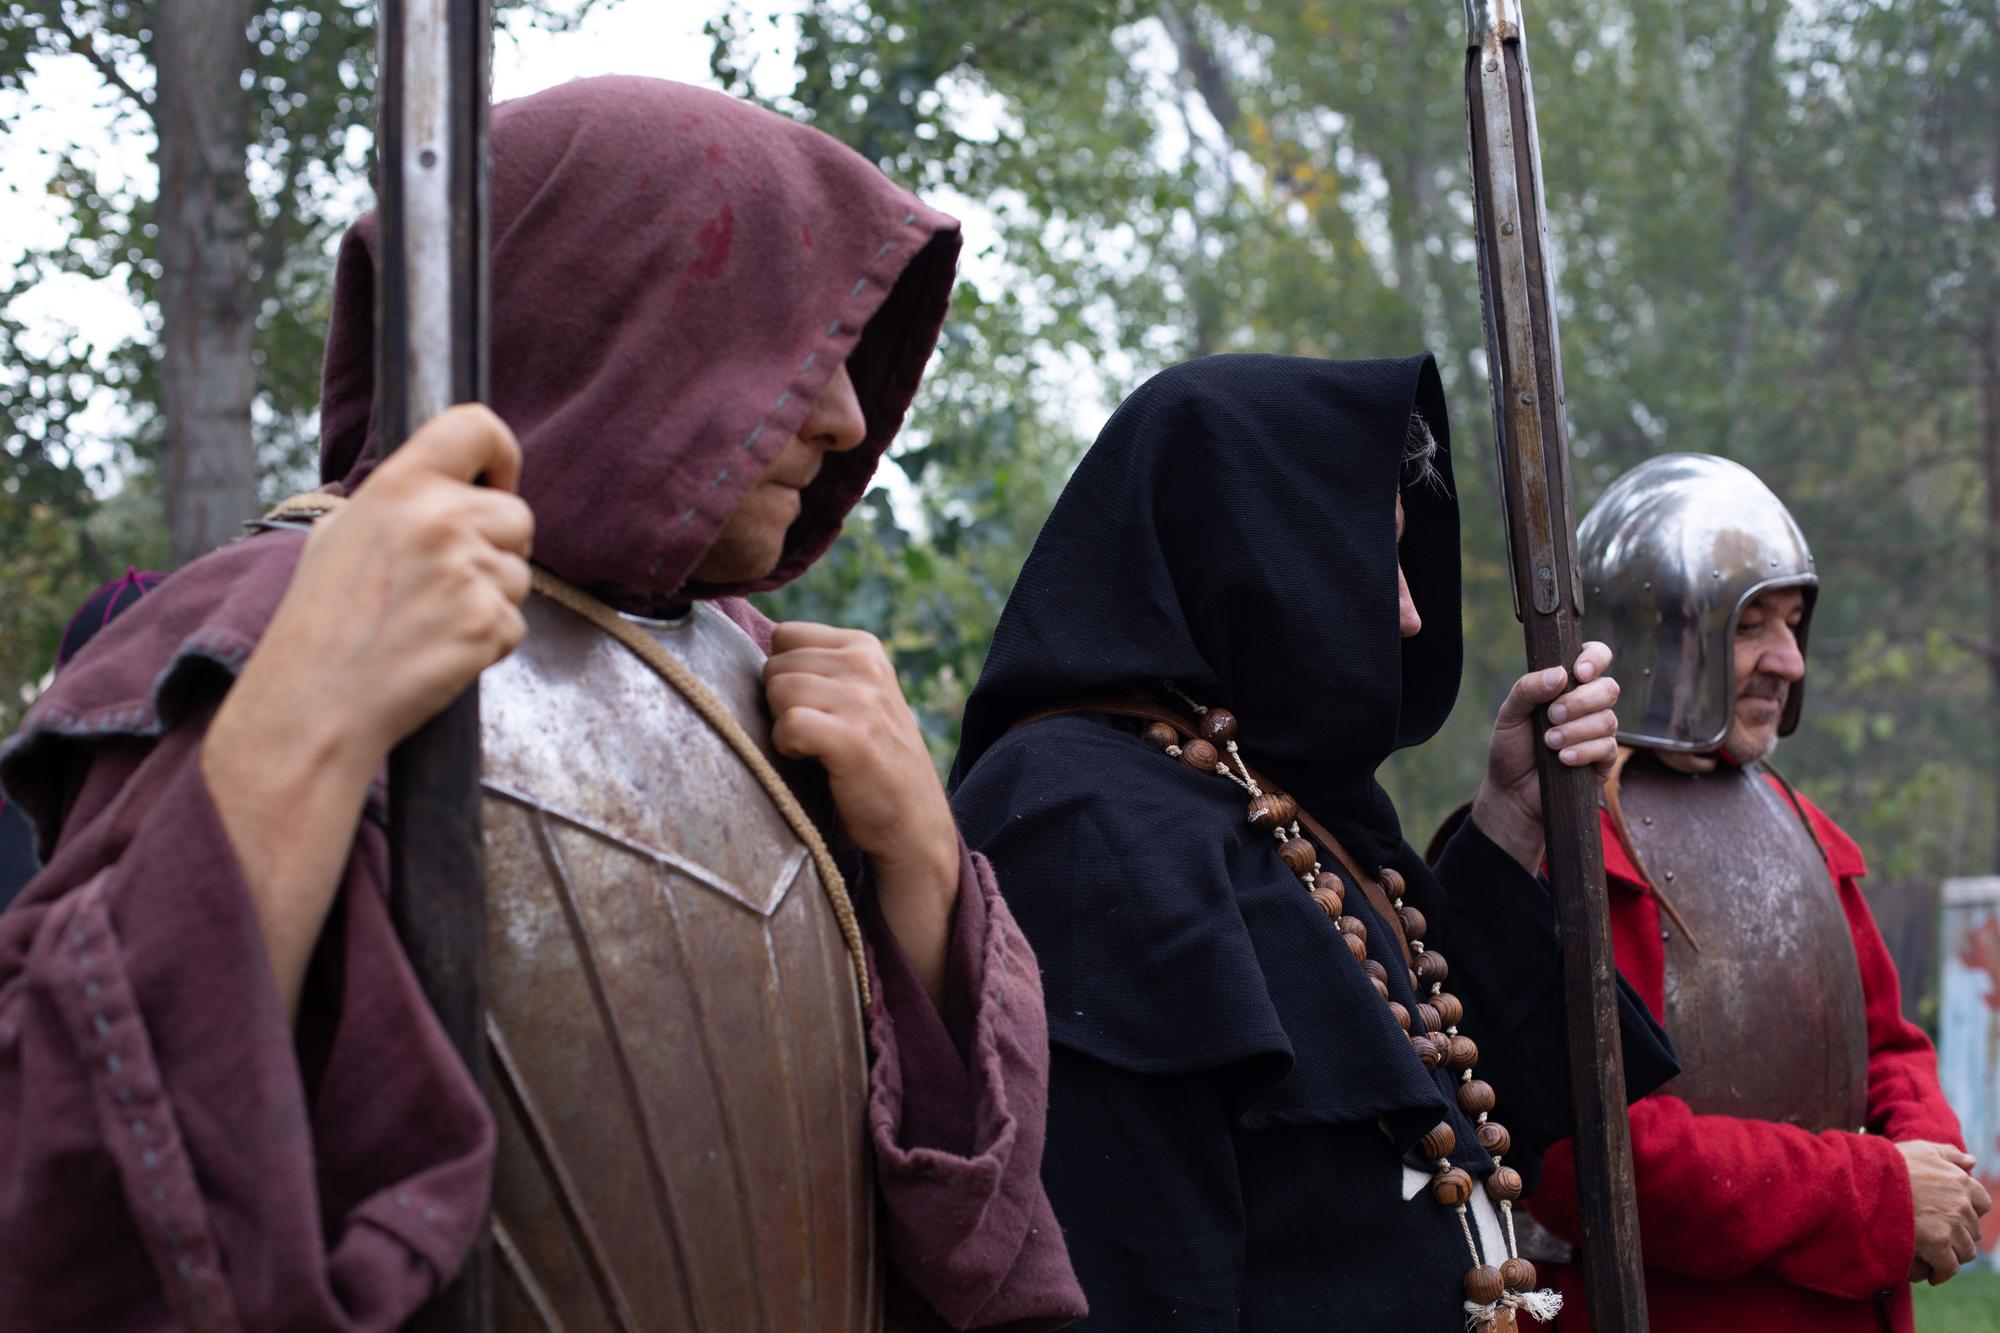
(1776, 229)
(1775, 221)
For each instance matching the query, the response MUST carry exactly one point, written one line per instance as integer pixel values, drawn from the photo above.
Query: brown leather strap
(1616, 809)
(1123, 706)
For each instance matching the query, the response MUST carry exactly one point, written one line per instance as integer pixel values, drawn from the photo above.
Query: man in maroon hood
(722, 1048)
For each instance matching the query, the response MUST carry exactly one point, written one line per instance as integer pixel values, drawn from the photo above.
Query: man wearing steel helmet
(1804, 1169)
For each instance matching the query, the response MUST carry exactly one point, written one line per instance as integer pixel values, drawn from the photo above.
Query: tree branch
(85, 45)
(1202, 69)
(1985, 650)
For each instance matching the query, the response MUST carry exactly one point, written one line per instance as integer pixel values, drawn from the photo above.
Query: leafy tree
(219, 395)
(1775, 231)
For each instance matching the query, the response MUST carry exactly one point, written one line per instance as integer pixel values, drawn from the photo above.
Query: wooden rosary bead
(1493, 1137)
(1518, 1274)
(1413, 922)
(1329, 903)
(1381, 987)
(1452, 1187)
(1504, 1185)
(1217, 725)
(1427, 1017)
(1438, 1143)
(1475, 1097)
(1449, 1008)
(1297, 854)
(1329, 881)
(1426, 1050)
(1462, 1054)
(1416, 988)
(1273, 810)
(1391, 882)
(1431, 968)
(1355, 926)
(1484, 1285)
(1159, 735)
(1375, 970)
(1356, 946)
(1200, 755)
(1400, 1014)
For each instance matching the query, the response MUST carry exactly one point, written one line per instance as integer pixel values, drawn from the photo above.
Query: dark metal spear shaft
(431, 351)
(1524, 364)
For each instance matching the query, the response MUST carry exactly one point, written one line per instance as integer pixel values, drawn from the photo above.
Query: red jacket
(1749, 1224)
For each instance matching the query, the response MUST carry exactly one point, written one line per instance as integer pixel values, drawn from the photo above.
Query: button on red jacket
(1750, 1224)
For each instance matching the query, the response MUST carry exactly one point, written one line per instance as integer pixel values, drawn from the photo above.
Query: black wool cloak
(1231, 1104)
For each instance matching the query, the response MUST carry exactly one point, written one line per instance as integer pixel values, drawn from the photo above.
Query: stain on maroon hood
(676, 273)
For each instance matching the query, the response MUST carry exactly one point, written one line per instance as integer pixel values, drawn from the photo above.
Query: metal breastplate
(677, 1060)
(1775, 955)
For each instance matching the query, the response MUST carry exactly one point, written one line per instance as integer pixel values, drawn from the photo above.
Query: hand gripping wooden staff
(431, 301)
(1524, 365)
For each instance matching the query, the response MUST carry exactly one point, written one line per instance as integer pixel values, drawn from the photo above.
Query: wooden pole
(1524, 365)
(431, 351)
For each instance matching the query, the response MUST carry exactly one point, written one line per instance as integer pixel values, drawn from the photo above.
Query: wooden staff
(1524, 365)
(431, 300)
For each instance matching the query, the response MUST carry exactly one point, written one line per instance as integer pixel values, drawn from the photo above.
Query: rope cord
(713, 711)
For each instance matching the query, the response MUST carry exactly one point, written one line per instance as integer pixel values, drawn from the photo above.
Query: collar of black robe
(1233, 530)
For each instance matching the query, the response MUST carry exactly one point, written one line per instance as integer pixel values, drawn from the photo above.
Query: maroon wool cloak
(676, 275)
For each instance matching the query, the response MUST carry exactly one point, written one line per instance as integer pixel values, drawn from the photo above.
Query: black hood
(1233, 530)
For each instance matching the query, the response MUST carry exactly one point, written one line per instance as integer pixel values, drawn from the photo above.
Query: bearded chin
(1741, 750)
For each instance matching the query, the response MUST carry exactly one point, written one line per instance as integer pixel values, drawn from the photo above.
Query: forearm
(917, 898)
(1720, 1196)
(289, 795)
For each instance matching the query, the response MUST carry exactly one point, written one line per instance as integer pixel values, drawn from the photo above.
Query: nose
(835, 422)
(1782, 657)
(1410, 622)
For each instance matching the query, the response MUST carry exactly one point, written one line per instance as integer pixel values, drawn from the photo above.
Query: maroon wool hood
(676, 274)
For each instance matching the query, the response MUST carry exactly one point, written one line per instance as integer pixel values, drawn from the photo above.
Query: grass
(1969, 1303)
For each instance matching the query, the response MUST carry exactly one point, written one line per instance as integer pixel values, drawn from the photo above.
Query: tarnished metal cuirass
(1765, 1006)
(678, 1068)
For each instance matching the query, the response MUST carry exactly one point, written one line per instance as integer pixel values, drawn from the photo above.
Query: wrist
(288, 742)
(1509, 828)
(924, 866)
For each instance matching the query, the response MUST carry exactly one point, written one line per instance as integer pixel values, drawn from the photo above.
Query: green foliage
(1776, 237)
(311, 80)
(1775, 225)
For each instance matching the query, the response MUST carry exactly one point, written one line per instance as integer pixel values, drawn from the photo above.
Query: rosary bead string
(1487, 1288)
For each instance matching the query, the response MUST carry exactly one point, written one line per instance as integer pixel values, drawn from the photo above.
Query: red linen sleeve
(957, 1110)
(1720, 1196)
(170, 1157)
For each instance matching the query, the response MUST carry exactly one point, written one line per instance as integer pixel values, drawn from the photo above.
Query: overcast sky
(66, 103)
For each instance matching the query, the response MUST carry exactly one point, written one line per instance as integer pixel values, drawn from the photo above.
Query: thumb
(1529, 693)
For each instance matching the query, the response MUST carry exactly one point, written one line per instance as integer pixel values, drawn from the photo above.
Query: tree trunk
(1757, 28)
(1989, 394)
(207, 314)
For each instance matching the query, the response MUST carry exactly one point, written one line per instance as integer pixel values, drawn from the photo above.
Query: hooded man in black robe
(1241, 1135)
